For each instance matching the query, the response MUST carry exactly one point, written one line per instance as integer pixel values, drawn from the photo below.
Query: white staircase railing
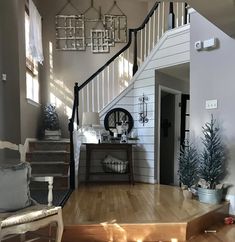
(116, 75)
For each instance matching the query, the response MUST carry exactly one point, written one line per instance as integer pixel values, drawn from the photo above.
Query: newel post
(76, 95)
(135, 65)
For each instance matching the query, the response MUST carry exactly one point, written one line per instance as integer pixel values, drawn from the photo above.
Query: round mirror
(118, 120)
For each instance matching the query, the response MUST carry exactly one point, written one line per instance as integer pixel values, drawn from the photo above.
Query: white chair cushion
(27, 215)
(14, 187)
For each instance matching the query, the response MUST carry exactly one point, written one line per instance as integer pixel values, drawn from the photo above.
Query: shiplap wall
(172, 49)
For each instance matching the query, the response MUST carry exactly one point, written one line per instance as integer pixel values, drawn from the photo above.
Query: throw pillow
(14, 187)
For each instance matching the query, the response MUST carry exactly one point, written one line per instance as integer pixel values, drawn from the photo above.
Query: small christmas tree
(50, 118)
(188, 160)
(211, 167)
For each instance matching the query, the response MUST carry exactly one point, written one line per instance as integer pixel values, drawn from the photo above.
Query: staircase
(116, 75)
(50, 158)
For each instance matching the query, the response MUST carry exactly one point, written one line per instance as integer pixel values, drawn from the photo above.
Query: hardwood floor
(144, 212)
(141, 203)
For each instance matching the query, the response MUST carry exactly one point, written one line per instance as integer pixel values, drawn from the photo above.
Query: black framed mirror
(117, 117)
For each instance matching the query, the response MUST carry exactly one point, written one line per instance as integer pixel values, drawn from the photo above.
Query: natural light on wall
(60, 95)
(124, 71)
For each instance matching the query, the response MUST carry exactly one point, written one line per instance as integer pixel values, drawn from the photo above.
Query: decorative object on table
(212, 165)
(114, 165)
(78, 30)
(123, 138)
(90, 127)
(229, 220)
(115, 120)
(187, 172)
(143, 109)
(51, 124)
(105, 136)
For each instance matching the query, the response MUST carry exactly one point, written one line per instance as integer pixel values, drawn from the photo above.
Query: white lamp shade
(90, 118)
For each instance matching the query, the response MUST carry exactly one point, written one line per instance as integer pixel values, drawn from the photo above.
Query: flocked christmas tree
(188, 160)
(212, 160)
(50, 118)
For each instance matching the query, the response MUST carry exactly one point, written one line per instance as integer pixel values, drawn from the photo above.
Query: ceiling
(219, 12)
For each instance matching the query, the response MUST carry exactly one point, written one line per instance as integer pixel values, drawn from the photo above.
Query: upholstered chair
(18, 212)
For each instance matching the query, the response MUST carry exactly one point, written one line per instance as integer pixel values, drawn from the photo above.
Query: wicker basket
(113, 165)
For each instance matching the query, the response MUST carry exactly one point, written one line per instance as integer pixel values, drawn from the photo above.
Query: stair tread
(49, 163)
(48, 151)
(66, 141)
(50, 174)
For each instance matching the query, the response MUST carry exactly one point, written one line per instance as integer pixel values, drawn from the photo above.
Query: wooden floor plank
(124, 203)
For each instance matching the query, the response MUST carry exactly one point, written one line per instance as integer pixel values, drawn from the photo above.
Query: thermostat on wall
(198, 45)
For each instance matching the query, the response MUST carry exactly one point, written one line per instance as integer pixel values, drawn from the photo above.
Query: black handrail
(78, 88)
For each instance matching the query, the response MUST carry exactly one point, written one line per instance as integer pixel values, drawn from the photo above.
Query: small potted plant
(212, 165)
(187, 172)
(51, 123)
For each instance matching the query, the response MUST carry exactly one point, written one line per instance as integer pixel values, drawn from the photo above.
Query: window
(32, 83)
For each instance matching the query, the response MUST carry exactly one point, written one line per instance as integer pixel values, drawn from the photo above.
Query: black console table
(110, 146)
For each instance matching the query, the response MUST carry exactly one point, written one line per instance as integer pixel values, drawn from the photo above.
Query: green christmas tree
(188, 160)
(212, 160)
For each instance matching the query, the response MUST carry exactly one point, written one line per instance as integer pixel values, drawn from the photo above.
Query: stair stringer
(172, 49)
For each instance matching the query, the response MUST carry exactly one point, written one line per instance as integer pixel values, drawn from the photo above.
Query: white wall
(172, 49)
(212, 77)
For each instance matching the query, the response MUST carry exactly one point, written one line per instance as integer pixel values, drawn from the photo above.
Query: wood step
(159, 231)
(52, 167)
(62, 145)
(38, 156)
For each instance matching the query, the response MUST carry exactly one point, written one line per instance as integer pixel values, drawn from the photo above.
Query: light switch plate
(4, 77)
(212, 104)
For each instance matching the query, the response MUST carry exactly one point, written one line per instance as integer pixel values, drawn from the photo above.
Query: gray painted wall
(212, 77)
(18, 118)
(68, 67)
(1, 83)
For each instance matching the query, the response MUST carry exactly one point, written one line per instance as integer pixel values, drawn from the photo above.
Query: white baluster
(108, 85)
(149, 37)
(93, 95)
(88, 97)
(128, 61)
(145, 42)
(182, 13)
(103, 89)
(141, 45)
(84, 107)
(113, 78)
(154, 29)
(98, 92)
(163, 18)
(158, 22)
(177, 15)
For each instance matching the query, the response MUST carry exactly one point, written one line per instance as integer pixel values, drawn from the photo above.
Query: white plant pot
(52, 134)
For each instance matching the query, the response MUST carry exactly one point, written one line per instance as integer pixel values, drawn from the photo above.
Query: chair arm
(48, 179)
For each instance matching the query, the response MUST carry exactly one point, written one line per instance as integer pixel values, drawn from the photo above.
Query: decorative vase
(211, 196)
